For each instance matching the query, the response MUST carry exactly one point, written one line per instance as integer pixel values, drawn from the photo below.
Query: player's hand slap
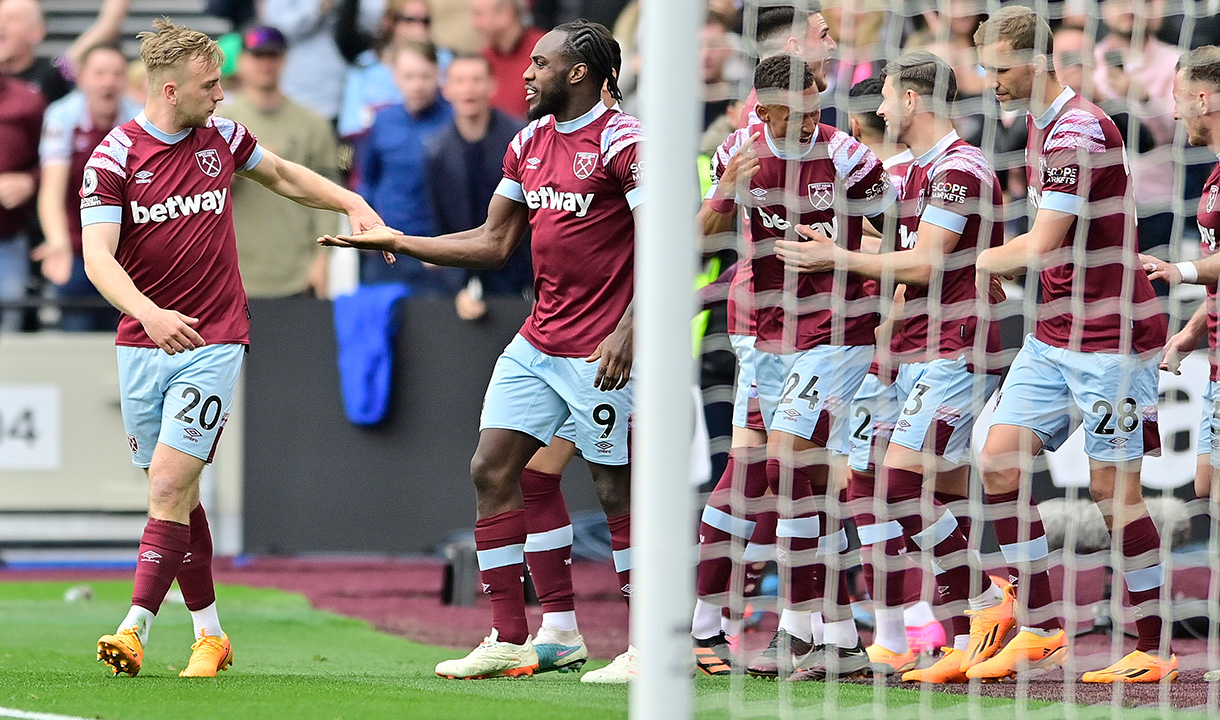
(817, 255)
(380, 238)
(172, 331)
(615, 353)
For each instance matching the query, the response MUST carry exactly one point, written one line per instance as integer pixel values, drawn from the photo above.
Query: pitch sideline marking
(29, 715)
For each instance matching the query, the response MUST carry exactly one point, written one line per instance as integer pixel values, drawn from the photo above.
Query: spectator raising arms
(369, 86)
(71, 128)
(22, 29)
(313, 73)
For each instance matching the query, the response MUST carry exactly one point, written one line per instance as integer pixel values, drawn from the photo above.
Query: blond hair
(169, 47)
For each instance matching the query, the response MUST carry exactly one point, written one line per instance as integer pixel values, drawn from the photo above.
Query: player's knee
(614, 493)
(166, 493)
(489, 475)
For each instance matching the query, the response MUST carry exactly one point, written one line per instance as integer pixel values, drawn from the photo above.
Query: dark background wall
(316, 483)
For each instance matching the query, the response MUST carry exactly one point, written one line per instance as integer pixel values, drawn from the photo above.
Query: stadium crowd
(426, 130)
(376, 72)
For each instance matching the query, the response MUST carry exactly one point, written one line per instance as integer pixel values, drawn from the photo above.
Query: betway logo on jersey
(548, 198)
(829, 229)
(175, 206)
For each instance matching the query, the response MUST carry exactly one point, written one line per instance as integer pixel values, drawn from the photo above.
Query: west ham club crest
(821, 195)
(1211, 197)
(209, 162)
(583, 164)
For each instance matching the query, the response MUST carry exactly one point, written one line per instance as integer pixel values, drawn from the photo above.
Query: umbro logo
(942, 590)
(903, 424)
(192, 434)
(792, 414)
(604, 447)
(757, 192)
(150, 556)
(143, 177)
(532, 163)
(627, 589)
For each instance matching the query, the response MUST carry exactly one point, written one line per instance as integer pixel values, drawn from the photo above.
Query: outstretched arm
(105, 29)
(1196, 272)
(487, 246)
(915, 267)
(1032, 251)
(300, 184)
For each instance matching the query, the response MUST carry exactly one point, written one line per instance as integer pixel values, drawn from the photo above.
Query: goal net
(891, 486)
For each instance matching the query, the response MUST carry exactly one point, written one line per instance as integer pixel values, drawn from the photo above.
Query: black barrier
(316, 483)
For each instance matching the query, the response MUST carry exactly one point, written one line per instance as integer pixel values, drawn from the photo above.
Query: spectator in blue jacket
(393, 177)
(465, 162)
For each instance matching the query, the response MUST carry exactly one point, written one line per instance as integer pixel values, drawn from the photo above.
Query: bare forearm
(1196, 327)
(1011, 258)
(53, 218)
(1208, 269)
(113, 282)
(908, 268)
(466, 249)
(713, 223)
(302, 185)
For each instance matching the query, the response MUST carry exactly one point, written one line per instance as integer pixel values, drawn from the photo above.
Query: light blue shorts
(568, 431)
(745, 390)
(809, 393)
(1051, 390)
(874, 411)
(941, 399)
(1207, 442)
(181, 400)
(536, 393)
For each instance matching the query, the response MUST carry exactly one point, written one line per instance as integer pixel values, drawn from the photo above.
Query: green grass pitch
(293, 662)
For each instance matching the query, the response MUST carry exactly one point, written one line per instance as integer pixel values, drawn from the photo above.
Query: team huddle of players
(899, 398)
(861, 312)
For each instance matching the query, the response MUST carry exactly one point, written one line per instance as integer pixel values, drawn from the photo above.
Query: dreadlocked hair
(592, 44)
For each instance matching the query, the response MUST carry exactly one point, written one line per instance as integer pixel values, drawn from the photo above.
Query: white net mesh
(774, 559)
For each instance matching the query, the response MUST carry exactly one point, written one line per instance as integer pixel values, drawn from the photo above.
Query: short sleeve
(1076, 139)
(510, 184)
(243, 146)
(620, 152)
(869, 186)
(954, 197)
(55, 146)
(101, 191)
(627, 169)
(722, 156)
